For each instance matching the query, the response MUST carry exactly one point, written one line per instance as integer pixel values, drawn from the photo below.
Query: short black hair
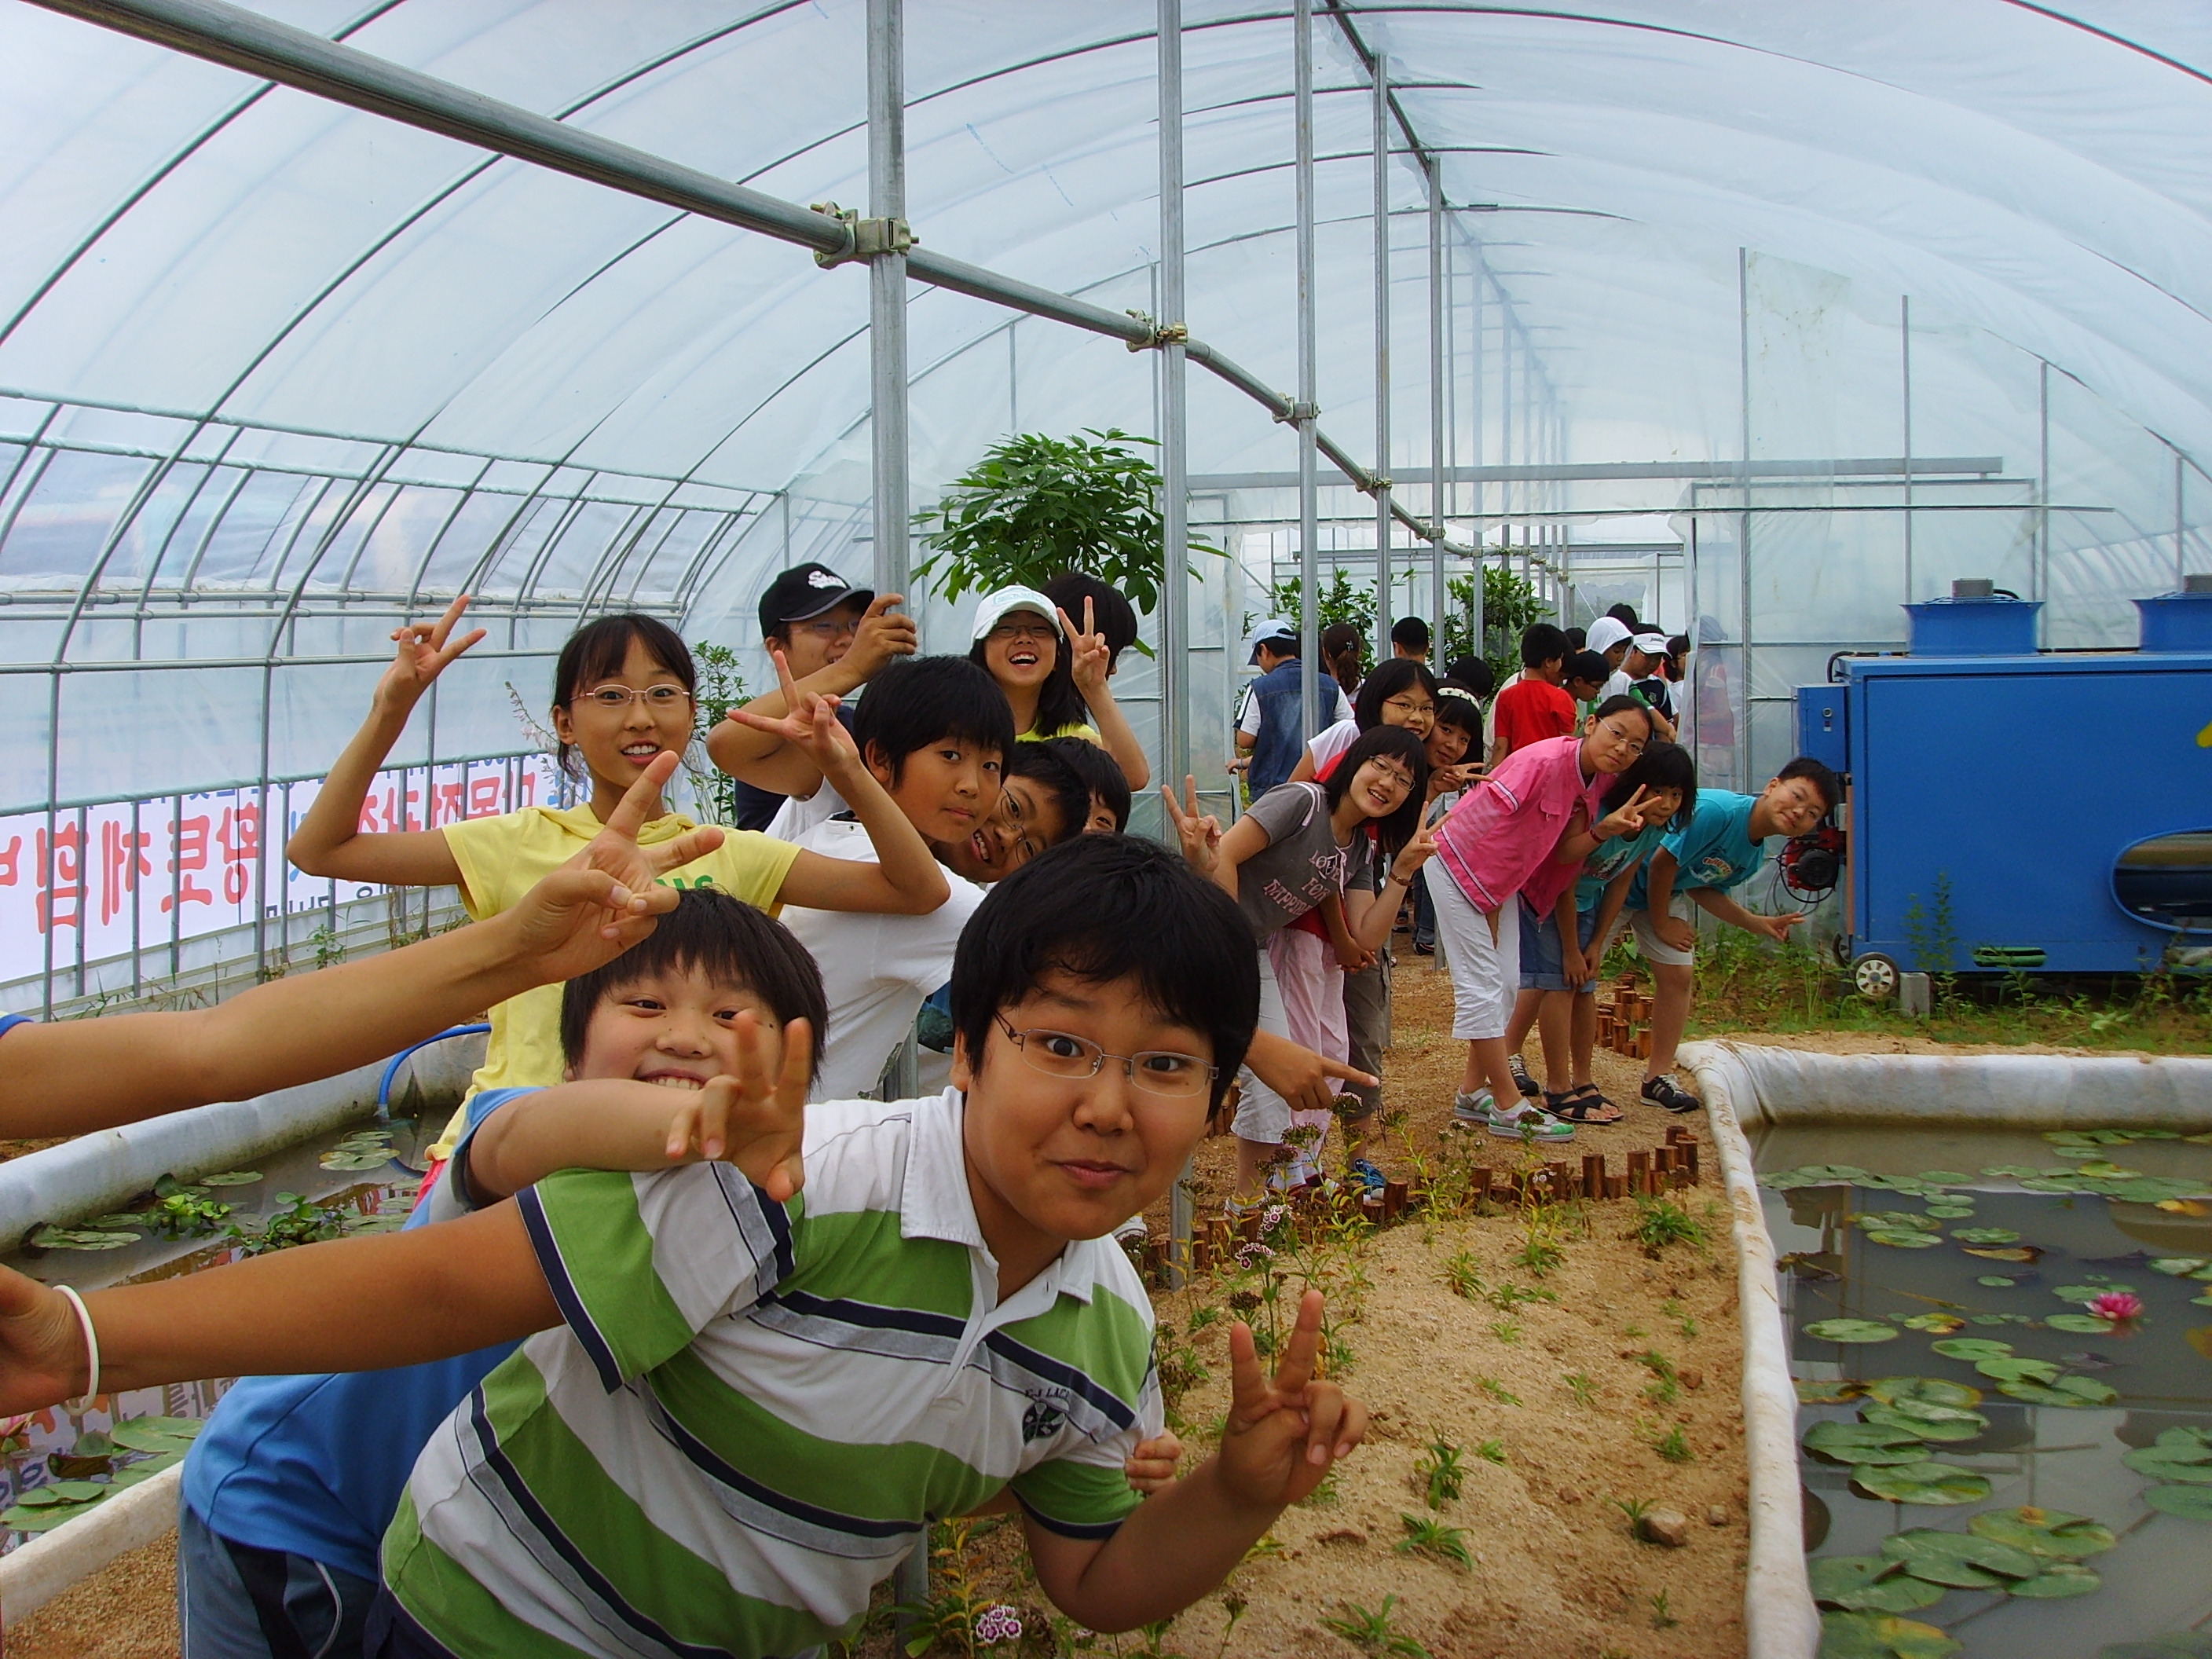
(1410, 632)
(1542, 642)
(595, 654)
(1059, 704)
(1105, 908)
(1624, 704)
(1576, 638)
(1385, 681)
(1663, 765)
(1587, 665)
(717, 938)
(1457, 707)
(1819, 772)
(1110, 611)
(1103, 779)
(1474, 673)
(1624, 613)
(1042, 763)
(916, 702)
(1389, 743)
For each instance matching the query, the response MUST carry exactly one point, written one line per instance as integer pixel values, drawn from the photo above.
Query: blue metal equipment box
(2065, 799)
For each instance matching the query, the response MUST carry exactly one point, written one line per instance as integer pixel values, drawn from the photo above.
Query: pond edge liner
(1780, 1618)
(2031, 1092)
(44, 1566)
(105, 1170)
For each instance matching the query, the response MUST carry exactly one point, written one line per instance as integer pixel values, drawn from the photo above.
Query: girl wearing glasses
(623, 694)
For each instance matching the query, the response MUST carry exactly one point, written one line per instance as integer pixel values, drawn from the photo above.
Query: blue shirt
(1623, 853)
(1715, 850)
(9, 1021)
(315, 1466)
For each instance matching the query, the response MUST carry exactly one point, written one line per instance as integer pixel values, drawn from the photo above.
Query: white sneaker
(1526, 1121)
(1473, 1111)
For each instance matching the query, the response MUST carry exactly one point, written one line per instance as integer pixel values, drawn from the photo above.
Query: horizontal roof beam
(1595, 471)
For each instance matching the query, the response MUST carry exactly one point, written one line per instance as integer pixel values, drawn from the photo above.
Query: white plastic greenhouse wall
(1766, 316)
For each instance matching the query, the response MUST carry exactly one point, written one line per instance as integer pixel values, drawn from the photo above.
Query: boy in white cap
(1637, 676)
(1267, 717)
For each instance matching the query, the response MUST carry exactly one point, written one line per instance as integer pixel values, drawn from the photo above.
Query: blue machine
(2064, 800)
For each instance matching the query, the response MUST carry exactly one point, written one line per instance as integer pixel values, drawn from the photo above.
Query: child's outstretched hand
(1775, 928)
(1415, 852)
(757, 1118)
(1088, 658)
(43, 1359)
(605, 899)
(1285, 1434)
(1201, 835)
(1151, 1467)
(809, 723)
(1626, 820)
(425, 649)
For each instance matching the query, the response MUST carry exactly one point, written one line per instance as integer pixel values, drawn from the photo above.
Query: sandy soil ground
(127, 1610)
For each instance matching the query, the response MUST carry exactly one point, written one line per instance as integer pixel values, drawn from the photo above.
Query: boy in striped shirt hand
(743, 1403)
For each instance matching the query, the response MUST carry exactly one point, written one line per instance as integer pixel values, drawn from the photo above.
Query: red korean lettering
(61, 878)
(122, 860)
(188, 856)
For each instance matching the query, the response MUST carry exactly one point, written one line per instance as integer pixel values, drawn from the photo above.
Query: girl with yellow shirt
(623, 694)
(1054, 675)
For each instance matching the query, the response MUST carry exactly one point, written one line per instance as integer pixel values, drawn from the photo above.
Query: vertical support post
(887, 292)
(1175, 506)
(1381, 140)
(1309, 394)
(1904, 367)
(1436, 400)
(1743, 520)
(2180, 526)
(1474, 621)
(2038, 584)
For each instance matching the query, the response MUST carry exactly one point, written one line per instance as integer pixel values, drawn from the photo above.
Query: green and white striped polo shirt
(751, 1410)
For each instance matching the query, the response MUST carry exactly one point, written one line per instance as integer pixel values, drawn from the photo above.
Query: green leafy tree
(721, 687)
(1509, 603)
(1340, 601)
(1035, 508)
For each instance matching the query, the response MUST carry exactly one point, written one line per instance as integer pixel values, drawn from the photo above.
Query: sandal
(1583, 1107)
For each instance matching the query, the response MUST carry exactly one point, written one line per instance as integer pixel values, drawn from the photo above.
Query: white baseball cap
(1272, 631)
(996, 606)
(1651, 645)
(1604, 634)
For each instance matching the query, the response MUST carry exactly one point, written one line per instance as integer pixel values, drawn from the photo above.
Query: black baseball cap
(803, 591)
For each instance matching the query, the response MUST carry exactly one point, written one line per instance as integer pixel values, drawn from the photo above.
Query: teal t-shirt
(1604, 866)
(1715, 850)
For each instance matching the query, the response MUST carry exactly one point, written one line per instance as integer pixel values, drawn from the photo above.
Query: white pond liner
(1745, 1084)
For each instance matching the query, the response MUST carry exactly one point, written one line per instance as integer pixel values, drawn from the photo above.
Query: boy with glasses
(1721, 847)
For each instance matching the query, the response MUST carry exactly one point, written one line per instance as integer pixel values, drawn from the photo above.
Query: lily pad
(2180, 1267)
(1867, 1583)
(1851, 1330)
(2006, 1252)
(2083, 1324)
(1815, 1391)
(2071, 1391)
(1946, 1177)
(1986, 1235)
(1946, 1423)
(2187, 1444)
(1972, 1347)
(2012, 1171)
(1960, 1558)
(80, 1238)
(1930, 1390)
(2154, 1462)
(1864, 1442)
(359, 1160)
(2045, 1532)
(1929, 1483)
(1880, 1636)
(2060, 1580)
(1903, 1221)
(2190, 1503)
(117, 1221)
(2184, 1644)
(1903, 1241)
(2086, 1292)
(137, 1435)
(1996, 1281)
(1941, 1324)
(2017, 1369)
(1951, 1211)
(231, 1178)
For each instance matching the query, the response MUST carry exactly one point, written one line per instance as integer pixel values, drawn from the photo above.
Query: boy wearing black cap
(835, 637)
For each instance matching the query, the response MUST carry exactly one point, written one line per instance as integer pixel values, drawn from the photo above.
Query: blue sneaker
(1367, 1175)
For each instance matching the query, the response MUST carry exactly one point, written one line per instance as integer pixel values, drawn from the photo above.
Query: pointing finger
(1251, 1399)
(1303, 1351)
(628, 816)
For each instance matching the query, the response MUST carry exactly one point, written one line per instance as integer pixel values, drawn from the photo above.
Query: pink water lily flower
(2117, 1305)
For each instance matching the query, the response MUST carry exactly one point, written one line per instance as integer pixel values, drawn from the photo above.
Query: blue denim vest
(1275, 750)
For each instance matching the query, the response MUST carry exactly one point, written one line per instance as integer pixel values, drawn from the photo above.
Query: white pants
(1483, 952)
(1262, 1114)
(1312, 987)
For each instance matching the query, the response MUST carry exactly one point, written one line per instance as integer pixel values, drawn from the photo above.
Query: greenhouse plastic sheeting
(1926, 289)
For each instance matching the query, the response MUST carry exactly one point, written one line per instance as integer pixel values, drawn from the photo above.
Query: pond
(1990, 1449)
(55, 1464)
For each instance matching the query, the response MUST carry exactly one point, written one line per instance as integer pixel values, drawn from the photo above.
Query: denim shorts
(1540, 968)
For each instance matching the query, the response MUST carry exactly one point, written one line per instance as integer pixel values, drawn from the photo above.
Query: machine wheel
(1876, 977)
(1840, 945)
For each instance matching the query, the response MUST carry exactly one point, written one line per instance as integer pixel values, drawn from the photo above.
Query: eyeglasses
(1635, 745)
(829, 630)
(1157, 1071)
(1410, 705)
(1035, 630)
(655, 697)
(1026, 845)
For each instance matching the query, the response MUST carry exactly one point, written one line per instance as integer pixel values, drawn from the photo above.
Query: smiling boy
(1721, 847)
(741, 1410)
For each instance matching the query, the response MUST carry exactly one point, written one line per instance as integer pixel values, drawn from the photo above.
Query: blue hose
(391, 1070)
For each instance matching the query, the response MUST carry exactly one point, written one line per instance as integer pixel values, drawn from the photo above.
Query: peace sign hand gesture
(1415, 852)
(425, 649)
(1201, 835)
(757, 1118)
(1626, 820)
(1088, 657)
(810, 724)
(1284, 1434)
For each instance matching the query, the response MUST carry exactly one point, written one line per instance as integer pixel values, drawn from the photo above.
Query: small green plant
(1491, 1451)
(1661, 1618)
(1683, 1321)
(296, 1221)
(1370, 1633)
(1665, 1388)
(1507, 1331)
(1506, 1297)
(1233, 1607)
(185, 1214)
(330, 949)
(1443, 1473)
(1632, 1330)
(1326, 1494)
(1675, 1447)
(1498, 1391)
(1661, 1221)
(1463, 1275)
(1634, 1508)
(721, 688)
(1433, 1538)
(1585, 1390)
(1201, 1318)
(1540, 1255)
